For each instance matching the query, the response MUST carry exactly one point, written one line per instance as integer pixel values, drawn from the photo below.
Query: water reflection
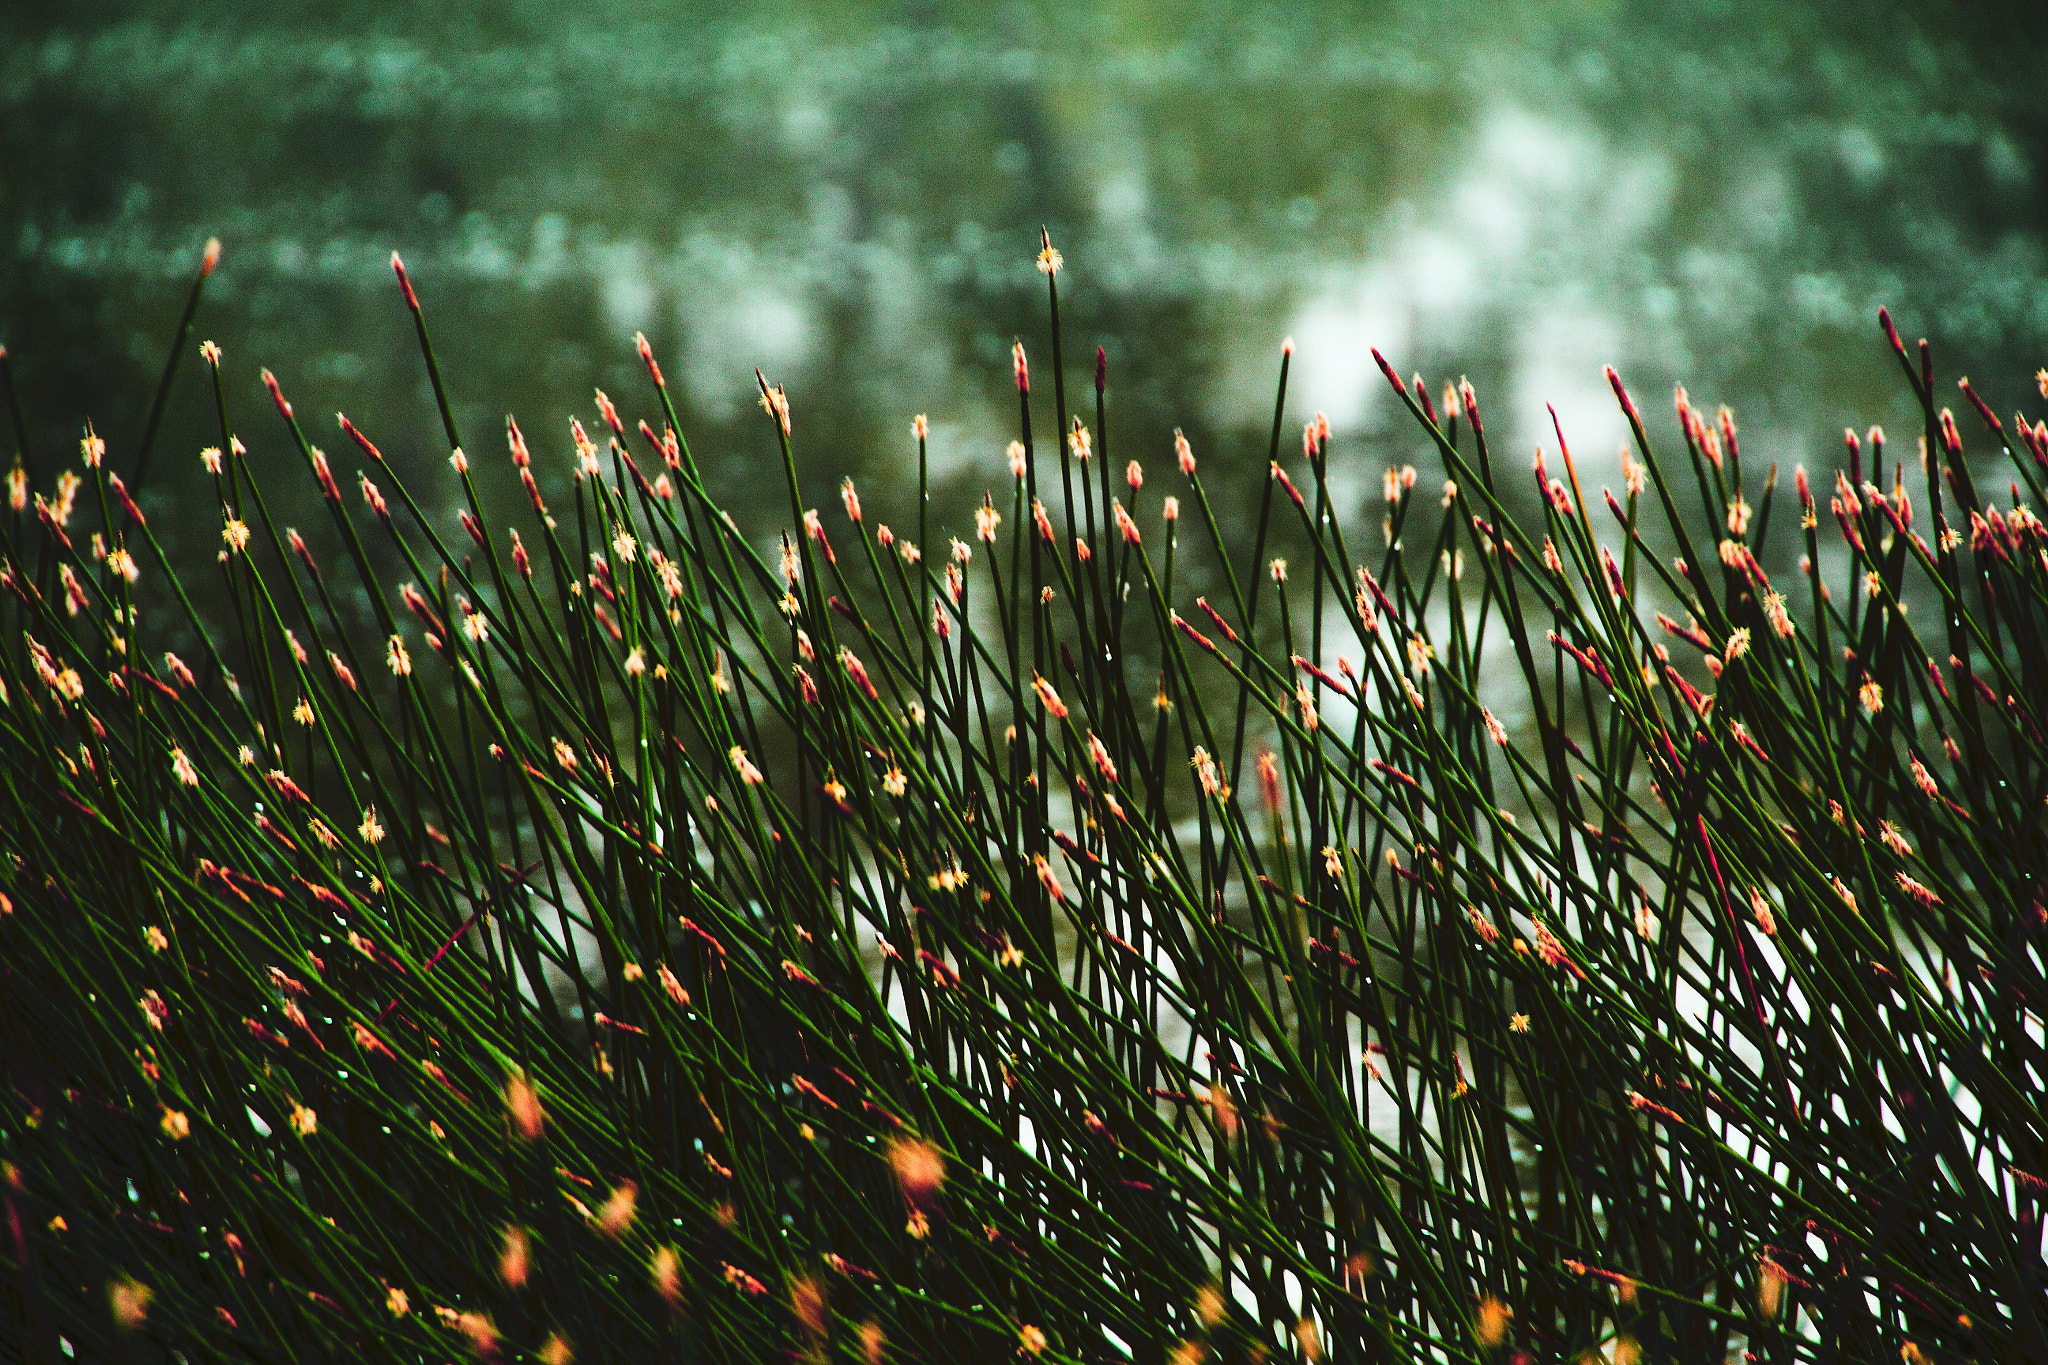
(846, 195)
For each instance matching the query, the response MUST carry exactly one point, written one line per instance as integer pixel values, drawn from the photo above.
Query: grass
(634, 945)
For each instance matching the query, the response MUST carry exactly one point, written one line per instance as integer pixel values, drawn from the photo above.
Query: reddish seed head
(1023, 370)
(1269, 781)
(514, 1260)
(647, 359)
(1216, 617)
(362, 441)
(127, 502)
(1983, 409)
(920, 1170)
(1101, 369)
(1049, 878)
(325, 475)
(1124, 524)
(1422, 397)
(1048, 698)
(1388, 371)
(1103, 762)
(1621, 395)
(858, 672)
(277, 394)
(611, 414)
(523, 1108)
(211, 260)
(412, 300)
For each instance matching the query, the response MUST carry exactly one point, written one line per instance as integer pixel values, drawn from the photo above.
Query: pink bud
(277, 395)
(412, 300)
(362, 441)
(647, 359)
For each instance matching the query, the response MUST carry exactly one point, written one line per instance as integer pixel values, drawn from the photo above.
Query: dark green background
(848, 195)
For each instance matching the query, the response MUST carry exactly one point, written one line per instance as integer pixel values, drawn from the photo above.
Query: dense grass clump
(638, 945)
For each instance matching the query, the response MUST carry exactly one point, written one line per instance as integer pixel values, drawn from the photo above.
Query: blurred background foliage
(1719, 191)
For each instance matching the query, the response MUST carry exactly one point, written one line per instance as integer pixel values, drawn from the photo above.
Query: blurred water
(848, 195)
